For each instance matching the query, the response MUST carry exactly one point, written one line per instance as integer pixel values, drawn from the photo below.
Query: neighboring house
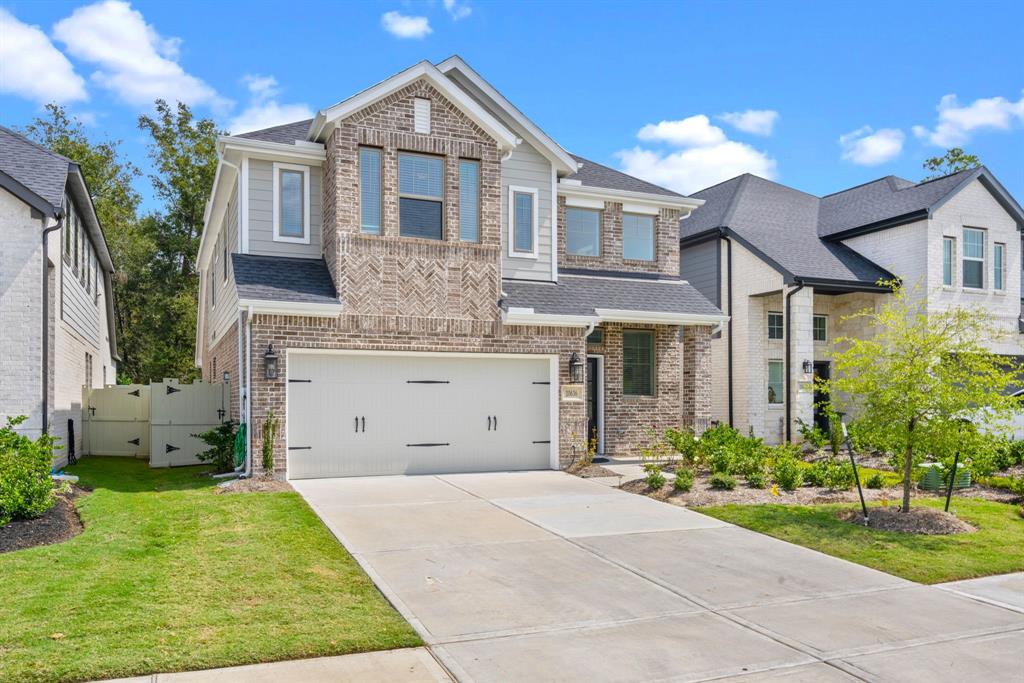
(57, 333)
(420, 280)
(788, 266)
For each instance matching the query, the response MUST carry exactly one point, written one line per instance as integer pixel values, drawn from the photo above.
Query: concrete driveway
(541, 576)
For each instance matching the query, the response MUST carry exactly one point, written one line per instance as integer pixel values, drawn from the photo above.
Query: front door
(822, 370)
(593, 401)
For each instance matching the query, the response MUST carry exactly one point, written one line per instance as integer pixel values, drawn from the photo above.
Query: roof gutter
(46, 321)
(728, 264)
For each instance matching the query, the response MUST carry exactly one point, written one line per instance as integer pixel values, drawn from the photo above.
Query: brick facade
(221, 358)
(696, 377)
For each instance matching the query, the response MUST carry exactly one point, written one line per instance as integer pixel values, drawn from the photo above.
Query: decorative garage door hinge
(542, 442)
(427, 381)
(426, 445)
(300, 448)
(542, 382)
(298, 381)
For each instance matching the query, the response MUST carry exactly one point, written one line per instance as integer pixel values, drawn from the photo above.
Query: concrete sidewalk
(414, 665)
(1005, 590)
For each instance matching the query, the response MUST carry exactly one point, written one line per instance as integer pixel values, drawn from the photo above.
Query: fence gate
(155, 421)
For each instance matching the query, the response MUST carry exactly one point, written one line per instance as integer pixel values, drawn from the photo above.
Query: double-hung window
(212, 285)
(776, 385)
(948, 258)
(820, 328)
(291, 203)
(522, 222)
(78, 241)
(638, 363)
(974, 258)
(637, 237)
(999, 266)
(469, 200)
(369, 190)
(224, 255)
(420, 196)
(775, 325)
(582, 231)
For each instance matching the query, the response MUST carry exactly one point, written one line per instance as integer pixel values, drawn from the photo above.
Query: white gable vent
(421, 115)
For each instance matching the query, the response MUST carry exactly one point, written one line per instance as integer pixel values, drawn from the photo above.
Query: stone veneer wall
(393, 333)
(225, 352)
(666, 243)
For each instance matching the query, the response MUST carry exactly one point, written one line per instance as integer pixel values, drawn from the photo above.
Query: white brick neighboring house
(780, 262)
(42, 192)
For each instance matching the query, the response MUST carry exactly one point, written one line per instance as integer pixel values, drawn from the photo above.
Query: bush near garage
(26, 488)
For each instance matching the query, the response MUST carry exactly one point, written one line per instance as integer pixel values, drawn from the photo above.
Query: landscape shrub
(1016, 484)
(722, 460)
(655, 477)
(1008, 453)
(270, 426)
(830, 474)
(811, 433)
(683, 441)
(786, 469)
(221, 442)
(722, 482)
(757, 479)
(26, 488)
(875, 481)
(684, 480)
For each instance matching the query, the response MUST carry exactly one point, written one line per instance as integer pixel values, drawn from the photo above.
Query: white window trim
(654, 237)
(600, 231)
(512, 251)
(982, 260)
(813, 318)
(278, 237)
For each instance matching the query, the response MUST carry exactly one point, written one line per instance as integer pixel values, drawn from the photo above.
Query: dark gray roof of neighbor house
(281, 278)
(286, 133)
(580, 295)
(37, 169)
(593, 174)
(781, 225)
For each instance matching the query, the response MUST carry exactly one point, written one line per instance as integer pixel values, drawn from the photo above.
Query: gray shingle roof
(580, 295)
(286, 133)
(43, 172)
(593, 174)
(280, 278)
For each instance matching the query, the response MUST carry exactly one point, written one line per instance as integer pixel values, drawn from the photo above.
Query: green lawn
(996, 548)
(170, 576)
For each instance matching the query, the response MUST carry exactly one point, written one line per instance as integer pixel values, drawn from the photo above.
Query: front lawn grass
(169, 576)
(996, 548)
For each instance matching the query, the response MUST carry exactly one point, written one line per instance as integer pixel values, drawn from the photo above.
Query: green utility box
(933, 478)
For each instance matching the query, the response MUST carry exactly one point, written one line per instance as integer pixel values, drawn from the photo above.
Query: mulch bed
(57, 524)
(916, 521)
(254, 485)
(592, 471)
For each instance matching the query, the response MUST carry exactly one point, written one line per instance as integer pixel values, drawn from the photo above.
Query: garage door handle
(357, 425)
(488, 423)
(495, 423)
(363, 421)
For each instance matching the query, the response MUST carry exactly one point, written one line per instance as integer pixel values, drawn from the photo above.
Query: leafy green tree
(912, 382)
(955, 159)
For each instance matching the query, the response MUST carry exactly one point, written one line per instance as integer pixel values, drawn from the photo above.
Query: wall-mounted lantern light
(227, 377)
(808, 367)
(270, 363)
(575, 369)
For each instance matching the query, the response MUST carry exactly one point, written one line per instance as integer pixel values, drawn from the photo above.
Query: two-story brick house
(420, 280)
(788, 266)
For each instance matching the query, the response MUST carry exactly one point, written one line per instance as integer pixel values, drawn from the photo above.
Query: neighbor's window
(523, 221)
(999, 264)
(224, 254)
(638, 362)
(775, 330)
(291, 198)
(469, 200)
(420, 196)
(78, 241)
(820, 328)
(369, 190)
(948, 249)
(69, 214)
(88, 267)
(213, 290)
(637, 237)
(582, 231)
(974, 258)
(96, 279)
(776, 370)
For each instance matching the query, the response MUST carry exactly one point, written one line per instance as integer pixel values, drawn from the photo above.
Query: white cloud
(693, 169)
(263, 110)
(31, 67)
(867, 147)
(753, 121)
(404, 26)
(689, 132)
(956, 122)
(457, 10)
(133, 60)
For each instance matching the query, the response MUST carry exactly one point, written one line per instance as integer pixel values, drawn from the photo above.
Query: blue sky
(819, 96)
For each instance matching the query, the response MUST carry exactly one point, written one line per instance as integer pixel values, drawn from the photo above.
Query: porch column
(800, 338)
(696, 377)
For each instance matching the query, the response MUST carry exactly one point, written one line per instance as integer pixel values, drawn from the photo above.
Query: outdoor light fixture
(575, 369)
(270, 363)
(808, 367)
(227, 377)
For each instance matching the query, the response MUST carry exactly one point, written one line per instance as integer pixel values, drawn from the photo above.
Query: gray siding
(261, 213)
(226, 310)
(699, 265)
(79, 308)
(525, 167)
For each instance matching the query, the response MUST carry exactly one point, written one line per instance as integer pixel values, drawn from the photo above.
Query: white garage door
(355, 415)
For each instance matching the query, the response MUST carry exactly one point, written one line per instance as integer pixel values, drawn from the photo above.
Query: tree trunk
(908, 469)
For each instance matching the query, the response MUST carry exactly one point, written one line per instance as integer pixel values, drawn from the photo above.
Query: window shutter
(421, 115)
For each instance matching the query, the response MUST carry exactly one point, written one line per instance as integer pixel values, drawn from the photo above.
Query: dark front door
(593, 403)
(822, 370)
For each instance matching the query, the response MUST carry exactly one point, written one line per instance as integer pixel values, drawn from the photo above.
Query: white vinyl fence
(153, 421)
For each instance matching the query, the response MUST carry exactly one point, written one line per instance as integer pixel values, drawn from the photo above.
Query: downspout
(248, 393)
(46, 319)
(789, 359)
(728, 265)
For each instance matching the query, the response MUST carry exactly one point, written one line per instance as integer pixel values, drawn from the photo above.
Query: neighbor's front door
(822, 370)
(593, 404)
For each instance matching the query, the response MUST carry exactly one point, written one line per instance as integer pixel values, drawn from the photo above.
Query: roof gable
(36, 169)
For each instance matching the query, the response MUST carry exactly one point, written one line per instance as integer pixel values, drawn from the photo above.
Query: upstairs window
(291, 203)
(78, 241)
(637, 237)
(68, 219)
(948, 250)
(775, 325)
(999, 265)
(582, 231)
(974, 258)
(224, 254)
(420, 196)
(522, 220)
(638, 362)
(820, 331)
(211, 287)
(96, 280)
(369, 190)
(469, 200)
